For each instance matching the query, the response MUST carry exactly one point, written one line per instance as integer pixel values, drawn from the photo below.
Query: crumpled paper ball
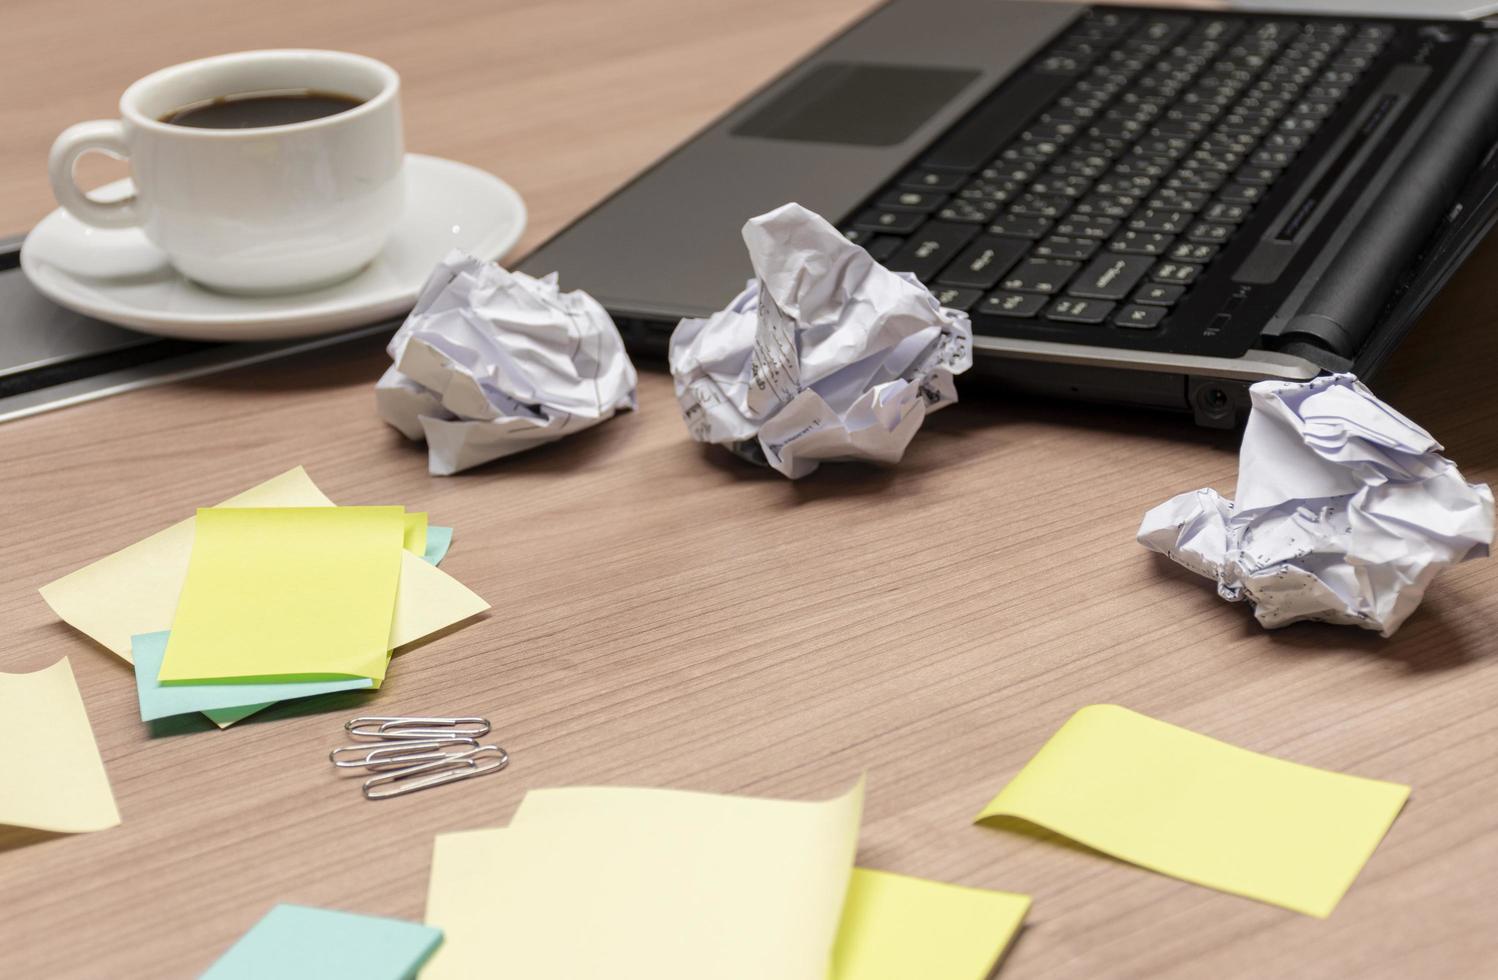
(492, 362)
(825, 355)
(1344, 513)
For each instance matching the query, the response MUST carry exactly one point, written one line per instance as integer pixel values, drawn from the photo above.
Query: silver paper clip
(455, 766)
(396, 754)
(417, 728)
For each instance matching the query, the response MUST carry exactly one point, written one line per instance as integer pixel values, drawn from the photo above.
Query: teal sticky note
(224, 703)
(439, 539)
(295, 942)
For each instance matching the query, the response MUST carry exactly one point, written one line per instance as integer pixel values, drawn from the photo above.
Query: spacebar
(986, 130)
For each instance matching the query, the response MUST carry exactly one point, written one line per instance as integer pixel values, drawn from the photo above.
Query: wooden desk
(666, 616)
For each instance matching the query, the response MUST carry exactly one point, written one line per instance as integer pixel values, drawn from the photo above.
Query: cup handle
(103, 136)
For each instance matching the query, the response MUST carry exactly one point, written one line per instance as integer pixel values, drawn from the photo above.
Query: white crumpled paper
(826, 355)
(492, 362)
(1344, 513)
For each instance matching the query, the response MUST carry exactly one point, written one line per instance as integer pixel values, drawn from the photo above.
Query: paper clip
(397, 754)
(417, 728)
(455, 766)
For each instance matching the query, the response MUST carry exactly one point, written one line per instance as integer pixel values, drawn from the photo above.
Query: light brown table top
(667, 616)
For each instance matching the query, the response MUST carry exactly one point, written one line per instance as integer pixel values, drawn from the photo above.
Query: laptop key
(1242, 194)
(1111, 276)
(1157, 294)
(1193, 252)
(1071, 309)
(954, 298)
(1019, 305)
(1140, 317)
(1141, 243)
(911, 201)
(1158, 220)
(982, 263)
(1175, 273)
(1045, 276)
(895, 222)
(1020, 226)
(881, 247)
(1079, 226)
(1067, 247)
(935, 181)
(931, 247)
(960, 209)
(1173, 199)
(1210, 232)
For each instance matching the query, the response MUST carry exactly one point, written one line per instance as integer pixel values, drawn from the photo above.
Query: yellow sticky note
(1195, 808)
(416, 533)
(51, 776)
(615, 882)
(895, 928)
(287, 594)
(135, 590)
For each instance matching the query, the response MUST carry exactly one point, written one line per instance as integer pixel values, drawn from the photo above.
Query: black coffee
(254, 110)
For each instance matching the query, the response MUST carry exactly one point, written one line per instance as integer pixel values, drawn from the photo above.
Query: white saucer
(120, 277)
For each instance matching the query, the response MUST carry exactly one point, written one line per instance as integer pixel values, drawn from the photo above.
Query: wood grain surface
(667, 616)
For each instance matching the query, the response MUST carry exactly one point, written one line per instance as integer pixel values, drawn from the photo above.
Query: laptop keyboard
(1159, 135)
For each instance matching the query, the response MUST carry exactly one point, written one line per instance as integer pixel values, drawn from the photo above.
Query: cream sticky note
(1195, 808)
(595, 882)
(287, 594)
(895, 927)
(50, 769)
(135, 590)
(416, 533)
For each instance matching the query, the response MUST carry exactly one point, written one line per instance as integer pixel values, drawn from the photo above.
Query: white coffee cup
(265, 210)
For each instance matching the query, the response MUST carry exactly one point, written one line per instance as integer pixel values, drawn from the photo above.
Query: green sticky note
(439, 539)
(294, 942)
(162, 701)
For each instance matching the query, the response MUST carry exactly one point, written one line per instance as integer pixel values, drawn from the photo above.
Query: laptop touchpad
(871, 105)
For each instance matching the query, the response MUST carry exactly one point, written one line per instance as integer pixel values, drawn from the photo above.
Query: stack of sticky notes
(606, 882)
(272, 595)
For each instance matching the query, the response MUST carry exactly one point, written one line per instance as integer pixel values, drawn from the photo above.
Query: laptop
(1148, 206)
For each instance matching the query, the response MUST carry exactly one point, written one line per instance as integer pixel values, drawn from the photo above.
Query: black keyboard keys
(924, 253)
(1070, 309)
(1158, 294)
(895, 222)
(983, 262)
(1021, 226)
(1140, 317)
(1045, 276)
(955, 298)
(1022, 306)
(1111, 276)
(1131, 167)
(935, 181)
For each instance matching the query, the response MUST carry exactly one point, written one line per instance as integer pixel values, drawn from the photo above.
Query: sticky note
(664, 884)
(439, 539)
(287, 594)
(895, 927)
(163, 701)
(415, 538)
(295, 942)
(51, 775)
(135, 589)
(1195, 808)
